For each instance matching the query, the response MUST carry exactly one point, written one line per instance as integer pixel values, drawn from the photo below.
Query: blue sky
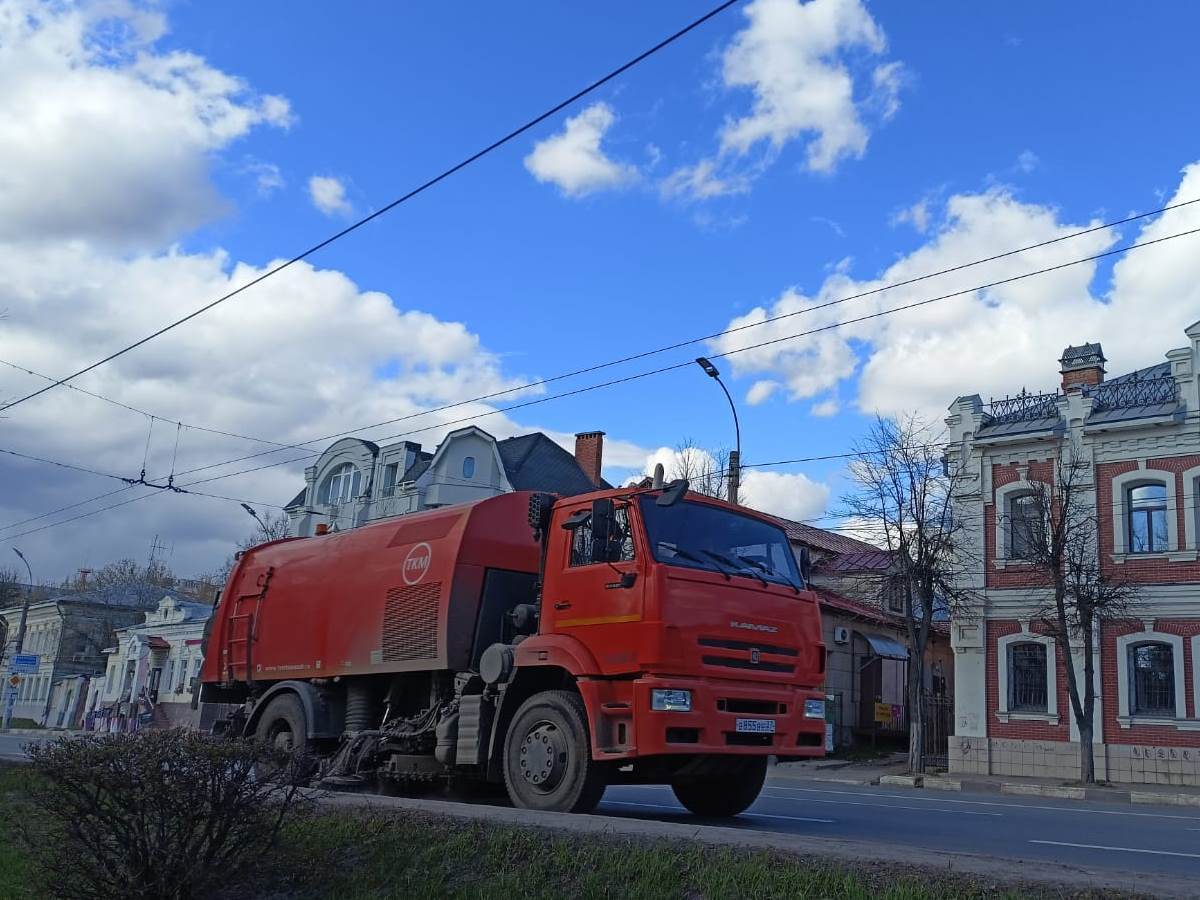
(978, 129)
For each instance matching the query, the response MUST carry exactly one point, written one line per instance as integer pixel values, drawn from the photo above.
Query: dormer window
(342, 485)
(468, 469)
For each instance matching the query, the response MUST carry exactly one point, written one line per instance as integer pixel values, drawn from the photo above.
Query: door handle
(563, 604)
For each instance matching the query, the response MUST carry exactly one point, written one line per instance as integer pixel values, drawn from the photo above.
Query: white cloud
(267, 177)
(84, 90)
(328, 194)
(989, 342)
(799, 61)
(574, 160)
(1027, 161)
(761, 391)
(826, 408)
(916, 215)
(273, 363)
(791, 495)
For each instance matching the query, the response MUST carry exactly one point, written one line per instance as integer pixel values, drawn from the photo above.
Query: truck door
(594, 587)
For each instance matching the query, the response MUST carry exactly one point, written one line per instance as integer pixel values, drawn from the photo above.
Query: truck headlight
(666, 700)
(814, 709)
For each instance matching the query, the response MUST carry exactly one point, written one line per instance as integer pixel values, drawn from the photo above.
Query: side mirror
(602, 523)
(805, 560)
(673, 493)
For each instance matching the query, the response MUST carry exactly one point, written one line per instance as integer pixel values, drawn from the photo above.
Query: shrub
(155, 814)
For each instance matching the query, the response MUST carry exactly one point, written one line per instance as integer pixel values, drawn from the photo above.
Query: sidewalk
(893, 772)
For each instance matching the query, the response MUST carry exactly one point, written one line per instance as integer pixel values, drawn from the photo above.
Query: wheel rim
(544, 757)
(280, 737)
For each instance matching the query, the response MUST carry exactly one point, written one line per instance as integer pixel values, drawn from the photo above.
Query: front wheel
(547, 756)
(727, 793)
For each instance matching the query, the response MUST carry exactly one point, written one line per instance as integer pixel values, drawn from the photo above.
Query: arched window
(341, 485)
(1152, 680)
(1024, 526)
(469, 467)
(1147, 506)
(1027, 683)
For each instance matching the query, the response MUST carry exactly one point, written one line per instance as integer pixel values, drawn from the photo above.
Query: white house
(150, 672)
(357, 481)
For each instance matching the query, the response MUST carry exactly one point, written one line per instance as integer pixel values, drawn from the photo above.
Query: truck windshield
(700, 536)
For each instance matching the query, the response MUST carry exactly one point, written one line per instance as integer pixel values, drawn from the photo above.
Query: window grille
(1027, 678)
(1152, 673)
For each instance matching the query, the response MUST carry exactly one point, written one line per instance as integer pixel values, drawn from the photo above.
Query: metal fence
(939, 719)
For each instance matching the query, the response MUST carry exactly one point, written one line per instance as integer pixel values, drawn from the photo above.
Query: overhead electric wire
(702, 338)
(354, 226)
(636, 376)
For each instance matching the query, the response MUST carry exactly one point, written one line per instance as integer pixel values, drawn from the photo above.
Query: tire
(282, 727)
(726, 794)
(547, 756)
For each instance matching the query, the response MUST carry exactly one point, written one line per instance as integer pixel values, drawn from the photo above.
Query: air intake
(410, 622)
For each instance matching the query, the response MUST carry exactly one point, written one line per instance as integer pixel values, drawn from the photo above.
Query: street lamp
(250, 509)
(11, 691)
(735, 458)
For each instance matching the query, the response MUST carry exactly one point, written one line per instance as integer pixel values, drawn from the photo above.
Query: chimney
(1082, 365)
(589, 453)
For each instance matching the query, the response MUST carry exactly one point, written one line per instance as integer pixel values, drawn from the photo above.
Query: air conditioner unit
(841, 635)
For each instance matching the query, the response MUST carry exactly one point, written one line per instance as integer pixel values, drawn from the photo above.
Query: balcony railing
(1024, 407)
(1134, 392)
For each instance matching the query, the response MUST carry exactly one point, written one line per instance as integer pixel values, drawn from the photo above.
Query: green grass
(354, 856)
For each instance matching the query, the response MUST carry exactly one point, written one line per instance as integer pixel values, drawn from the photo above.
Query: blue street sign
(25, 662)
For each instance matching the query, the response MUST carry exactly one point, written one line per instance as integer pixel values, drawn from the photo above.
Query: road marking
(933, 809)
(752, 814)
(1119, 849)
(1085, 811)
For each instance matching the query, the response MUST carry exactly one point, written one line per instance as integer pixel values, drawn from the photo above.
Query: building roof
(837, 603)
(829, 541)
(1082, 357)
(298, 500)
(874, 560)
(421, 462)
(533, 462)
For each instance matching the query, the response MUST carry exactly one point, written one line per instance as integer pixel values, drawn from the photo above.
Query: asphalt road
(11, 745)
(1139, 839)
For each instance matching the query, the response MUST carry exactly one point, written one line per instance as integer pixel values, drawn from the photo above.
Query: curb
(1057, 792)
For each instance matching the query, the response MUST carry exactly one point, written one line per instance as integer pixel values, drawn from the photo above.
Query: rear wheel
(727, 792)
(547, 756)
(282, 728)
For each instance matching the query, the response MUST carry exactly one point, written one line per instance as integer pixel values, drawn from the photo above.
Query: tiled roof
(533, 462)
(829, 541)
(837, 602)
(874, 560)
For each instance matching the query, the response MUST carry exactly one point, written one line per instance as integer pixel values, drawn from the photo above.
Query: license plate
(756, 726)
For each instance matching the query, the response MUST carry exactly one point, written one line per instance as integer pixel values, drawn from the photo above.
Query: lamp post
(250, 509)
(10, 693)
(735, 456)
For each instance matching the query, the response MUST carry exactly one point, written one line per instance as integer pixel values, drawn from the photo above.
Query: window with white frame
(1151, 671)
(390, 473)
(1027, 682)
(1025, 531)
(341, 485)
(1147, 505)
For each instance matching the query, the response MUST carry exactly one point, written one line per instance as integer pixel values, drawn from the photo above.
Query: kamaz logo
(753, 626)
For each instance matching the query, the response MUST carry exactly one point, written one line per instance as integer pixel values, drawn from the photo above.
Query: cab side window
(586, 550)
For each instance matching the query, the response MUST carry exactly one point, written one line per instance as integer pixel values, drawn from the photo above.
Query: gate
(939, 716)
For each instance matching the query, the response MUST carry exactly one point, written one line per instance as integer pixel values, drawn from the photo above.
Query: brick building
(1139, 434)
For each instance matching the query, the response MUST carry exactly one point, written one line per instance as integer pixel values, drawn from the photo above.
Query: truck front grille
(727, 644)
(763, 665)
(410, 622)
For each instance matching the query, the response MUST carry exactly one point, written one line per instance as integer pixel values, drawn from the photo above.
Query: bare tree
(1057, 539)
(128, 581)
(10, 588)
(707, 471)
(271, 529)
(903, 493)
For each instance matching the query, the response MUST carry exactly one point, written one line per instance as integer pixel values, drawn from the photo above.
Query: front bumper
(710, 727)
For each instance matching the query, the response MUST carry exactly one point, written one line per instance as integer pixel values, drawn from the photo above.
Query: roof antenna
(657, 483)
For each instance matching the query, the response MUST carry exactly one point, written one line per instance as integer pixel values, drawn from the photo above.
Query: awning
(885, 646)
(154, 642)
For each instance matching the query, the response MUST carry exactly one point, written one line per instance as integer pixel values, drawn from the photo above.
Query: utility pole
(10, 693)
(735, 456)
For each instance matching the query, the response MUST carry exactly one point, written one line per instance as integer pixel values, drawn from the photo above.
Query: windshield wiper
(719, 558)
(688, 555)
(770, 571)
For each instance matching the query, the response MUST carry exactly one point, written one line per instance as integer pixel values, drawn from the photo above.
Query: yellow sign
(883, 712)
(14, 680)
